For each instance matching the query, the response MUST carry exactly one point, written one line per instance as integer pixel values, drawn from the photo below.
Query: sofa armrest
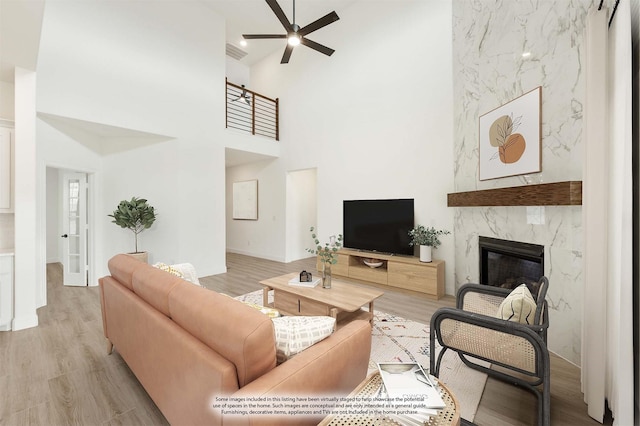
(334, 366)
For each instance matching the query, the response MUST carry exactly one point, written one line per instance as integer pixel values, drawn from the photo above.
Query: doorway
(67, 225)
(302, 212)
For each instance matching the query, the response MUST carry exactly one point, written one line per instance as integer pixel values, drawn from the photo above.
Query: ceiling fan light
(294, 40)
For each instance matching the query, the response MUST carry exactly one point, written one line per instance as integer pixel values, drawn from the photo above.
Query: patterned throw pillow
(295, 334)
(169, 269)
(518, 306)
(270, 312)
(186, 271)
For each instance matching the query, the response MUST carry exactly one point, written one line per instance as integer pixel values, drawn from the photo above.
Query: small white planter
(425, 254)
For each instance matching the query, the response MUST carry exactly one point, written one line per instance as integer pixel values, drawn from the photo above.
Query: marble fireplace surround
(489, 39)
(505, 213)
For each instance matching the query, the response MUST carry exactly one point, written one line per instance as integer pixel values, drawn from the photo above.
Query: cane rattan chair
(474, 332)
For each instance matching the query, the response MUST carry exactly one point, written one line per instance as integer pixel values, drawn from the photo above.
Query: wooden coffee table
(342, 301)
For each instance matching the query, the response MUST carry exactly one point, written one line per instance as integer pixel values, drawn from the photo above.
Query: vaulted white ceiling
(256, 17)
(21, 21)
(20, 25)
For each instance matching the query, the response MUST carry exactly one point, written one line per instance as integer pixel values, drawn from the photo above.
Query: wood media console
(400, 271)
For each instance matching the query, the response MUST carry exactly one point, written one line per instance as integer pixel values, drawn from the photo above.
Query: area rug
(397, 339)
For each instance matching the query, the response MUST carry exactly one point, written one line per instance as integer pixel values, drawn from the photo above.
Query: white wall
(374, 119)
(28, 260)
(7, 230)
(53, 216)
(155, 67)
(7, 99)
(237, 72)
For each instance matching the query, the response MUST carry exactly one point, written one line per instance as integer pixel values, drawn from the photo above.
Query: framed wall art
(510, 138)
(245, 200)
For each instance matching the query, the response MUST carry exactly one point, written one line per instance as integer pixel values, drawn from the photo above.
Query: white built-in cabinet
(6, 168)
(6, 290)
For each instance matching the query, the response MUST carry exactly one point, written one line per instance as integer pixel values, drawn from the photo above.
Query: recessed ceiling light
(243, 43)
(526, 54)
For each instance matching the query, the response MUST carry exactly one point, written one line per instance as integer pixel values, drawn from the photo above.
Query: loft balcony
(250, 112)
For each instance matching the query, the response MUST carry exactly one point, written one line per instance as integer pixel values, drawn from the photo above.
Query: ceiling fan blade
(273, 4)
(257, 36)
(287, 54)
(317, 46)
(319, 23)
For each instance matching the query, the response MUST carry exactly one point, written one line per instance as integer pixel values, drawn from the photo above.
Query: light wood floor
(59, 373)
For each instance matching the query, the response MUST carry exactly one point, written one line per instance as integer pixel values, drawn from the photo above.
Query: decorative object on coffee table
(136, 215)
(328, 254)
(426, 238)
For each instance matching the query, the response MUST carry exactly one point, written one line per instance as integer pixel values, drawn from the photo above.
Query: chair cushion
(297, 333)
(518, 306)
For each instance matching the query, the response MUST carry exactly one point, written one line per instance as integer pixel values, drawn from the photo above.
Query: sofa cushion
(239, 333)
(518, 306)
(297, 333)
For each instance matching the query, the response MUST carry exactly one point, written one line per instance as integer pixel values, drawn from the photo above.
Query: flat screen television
(378, 225)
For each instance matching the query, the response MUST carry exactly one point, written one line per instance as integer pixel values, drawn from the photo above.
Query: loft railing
(251, 112)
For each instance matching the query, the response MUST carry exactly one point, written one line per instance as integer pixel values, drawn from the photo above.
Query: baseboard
(21, 323)
(258, 255)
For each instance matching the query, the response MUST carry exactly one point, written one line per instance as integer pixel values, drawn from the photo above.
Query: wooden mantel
(567, 193)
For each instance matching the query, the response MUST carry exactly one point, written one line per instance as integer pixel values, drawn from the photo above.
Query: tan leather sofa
(189, 346)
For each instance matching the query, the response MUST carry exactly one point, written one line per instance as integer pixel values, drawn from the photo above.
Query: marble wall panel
(489, 40)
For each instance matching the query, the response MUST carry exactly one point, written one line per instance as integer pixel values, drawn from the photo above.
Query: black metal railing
(251, 112)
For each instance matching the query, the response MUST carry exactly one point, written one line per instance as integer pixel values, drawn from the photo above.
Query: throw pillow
(168, 269)
(519, 306)
(270, 312)
(186, 271)
(297, 333)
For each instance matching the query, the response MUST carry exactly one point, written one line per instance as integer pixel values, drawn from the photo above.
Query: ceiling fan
(296, 35)
(244, 96)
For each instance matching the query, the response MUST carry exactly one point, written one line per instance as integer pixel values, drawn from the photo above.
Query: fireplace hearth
(507, 264)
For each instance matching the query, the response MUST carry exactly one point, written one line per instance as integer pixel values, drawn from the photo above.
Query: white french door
(74, 228)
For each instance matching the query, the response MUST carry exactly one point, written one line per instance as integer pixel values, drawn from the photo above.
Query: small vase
(326, 275)
(425, 254)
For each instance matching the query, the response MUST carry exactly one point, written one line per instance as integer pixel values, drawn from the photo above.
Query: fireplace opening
(507, 264)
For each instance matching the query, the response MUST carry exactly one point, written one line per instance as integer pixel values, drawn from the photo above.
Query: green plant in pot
(136, 215)
(328, 254)
(426, 238)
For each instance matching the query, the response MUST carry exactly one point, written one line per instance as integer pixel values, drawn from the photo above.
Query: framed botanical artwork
(245, 200)
(510, 138)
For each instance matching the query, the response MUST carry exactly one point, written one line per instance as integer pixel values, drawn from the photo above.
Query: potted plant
(136, 215)
(328, 255)
(426, 238)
